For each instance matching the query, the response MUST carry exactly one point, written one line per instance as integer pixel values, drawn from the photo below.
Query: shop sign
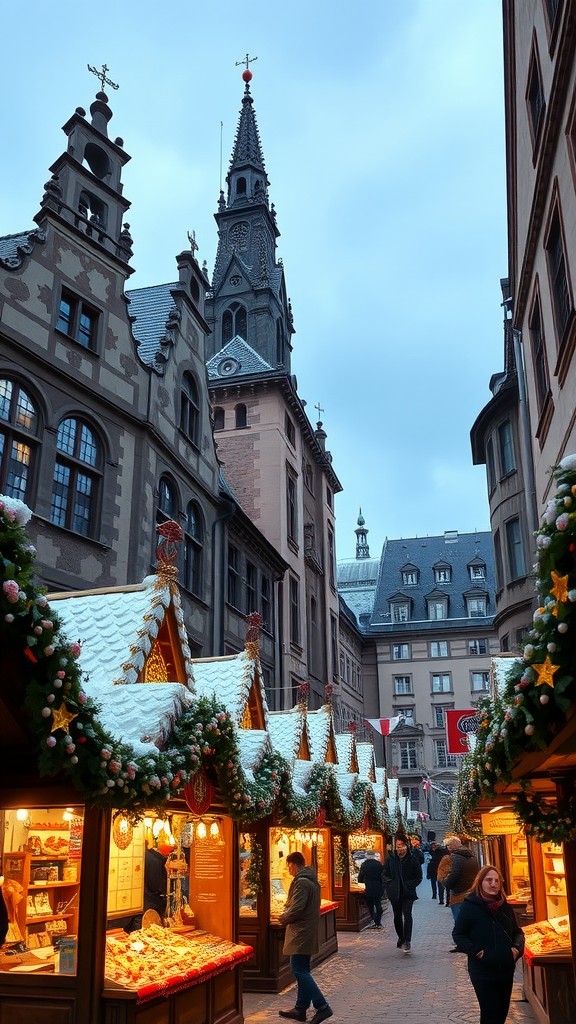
(199, 793)
(501, 823)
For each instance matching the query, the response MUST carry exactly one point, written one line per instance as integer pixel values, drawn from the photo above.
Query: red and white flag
(384, 725)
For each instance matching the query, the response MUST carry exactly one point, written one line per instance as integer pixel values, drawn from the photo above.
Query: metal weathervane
(102, 76)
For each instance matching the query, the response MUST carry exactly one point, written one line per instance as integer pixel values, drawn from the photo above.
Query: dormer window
(477, 570)
(476, 607)
(442, 573)
(410, 575)
(437, 607)
(399, 607)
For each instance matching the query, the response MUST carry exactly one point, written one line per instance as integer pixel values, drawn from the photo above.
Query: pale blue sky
(382, 130)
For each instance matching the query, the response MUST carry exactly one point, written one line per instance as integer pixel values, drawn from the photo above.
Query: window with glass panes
(402, 684)
(233, 576)
(74, 487)
(251, 588)
(479, 682)
(400, 652)
(19, 428)
(400, 613)
(438, 648)
(437, 609)
(77, 320)
(441, 682)
(442, 759)
(193, 548)
(408, 754)
(439, 712)
(476, 647)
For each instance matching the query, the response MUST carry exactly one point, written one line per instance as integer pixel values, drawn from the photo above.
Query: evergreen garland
(539, 686)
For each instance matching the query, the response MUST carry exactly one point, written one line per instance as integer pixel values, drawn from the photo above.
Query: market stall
(350, 849)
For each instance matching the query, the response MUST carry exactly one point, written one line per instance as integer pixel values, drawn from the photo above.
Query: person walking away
(416, 848)
(371, 875)
(463, 870)
(301, 915)
(436, 855)
(402, 876)
(487, 931)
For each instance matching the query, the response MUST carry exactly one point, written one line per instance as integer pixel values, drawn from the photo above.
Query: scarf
(494, 905)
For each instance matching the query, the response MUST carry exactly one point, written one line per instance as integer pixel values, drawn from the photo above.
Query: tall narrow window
(193, 549)
(234, 322)
(74, 489)
(331, 557)
(240, 416)
(294, 612)
(291, 506)
(535, 98)
(313, 635)
(506, 445)
(490, 469)
(498, 565)
(251, 588)
(539, 359)
(334, 643)
(233, 576)
(19, 427)
(190, 409)
(265, 603)
(408, 754)
(515, 549)
(218, 418)
(562, 303)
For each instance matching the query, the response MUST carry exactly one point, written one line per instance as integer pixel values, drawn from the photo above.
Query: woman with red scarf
(487, 931)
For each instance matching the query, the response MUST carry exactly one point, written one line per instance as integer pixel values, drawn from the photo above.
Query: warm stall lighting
(214, 829)
(157, 827)
(201, 830)
(148, 822)
(67, 816)
(22, 814)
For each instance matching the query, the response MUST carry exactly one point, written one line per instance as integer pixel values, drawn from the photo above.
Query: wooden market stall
(80, 949)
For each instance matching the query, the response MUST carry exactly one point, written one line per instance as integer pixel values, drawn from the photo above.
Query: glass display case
(41, 858)
(360, 846)
(250, 874)
(314, 844)
(519, 876)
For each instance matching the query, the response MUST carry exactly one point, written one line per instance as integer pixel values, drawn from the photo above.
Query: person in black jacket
(402, 876)
(371, 874)
(487, 931)
(436, 855)
(464, 867)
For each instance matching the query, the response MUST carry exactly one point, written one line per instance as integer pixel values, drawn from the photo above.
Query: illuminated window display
(517, 849)
(314, 844)
(360, 846)
(251, 855)
(41, 856)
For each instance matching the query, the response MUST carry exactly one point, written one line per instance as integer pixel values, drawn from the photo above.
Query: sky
(382, 129)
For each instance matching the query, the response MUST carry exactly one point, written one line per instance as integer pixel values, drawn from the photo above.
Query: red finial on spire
(247, 76)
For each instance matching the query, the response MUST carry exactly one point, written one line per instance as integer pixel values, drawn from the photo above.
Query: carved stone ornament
(23, 251)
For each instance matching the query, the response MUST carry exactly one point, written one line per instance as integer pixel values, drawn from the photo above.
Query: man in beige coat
(301, 915)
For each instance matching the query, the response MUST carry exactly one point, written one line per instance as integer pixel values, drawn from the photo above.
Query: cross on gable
(102, 76)
(193, 243)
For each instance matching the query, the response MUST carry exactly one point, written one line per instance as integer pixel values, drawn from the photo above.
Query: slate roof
(116, 628)
(458, 551)
(357, 582)
(236, 359)
(9, 243)
(151, 307)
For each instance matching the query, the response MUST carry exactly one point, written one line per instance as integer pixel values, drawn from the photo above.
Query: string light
(214, 829)
(201, 830)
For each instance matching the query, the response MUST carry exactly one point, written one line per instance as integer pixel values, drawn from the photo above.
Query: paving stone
(370, 981)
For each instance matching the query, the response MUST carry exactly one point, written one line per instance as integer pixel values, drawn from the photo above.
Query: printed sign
(460, 725)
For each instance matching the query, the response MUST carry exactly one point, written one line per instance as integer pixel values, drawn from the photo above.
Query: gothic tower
(248, 302)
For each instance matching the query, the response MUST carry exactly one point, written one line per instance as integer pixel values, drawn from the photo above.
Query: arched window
(167, 501)
(76, 477)
(193, 549)
(234, 321)
(190, 409)
(279, 341)
(241, 419)
(218, 418)
(241, 187)
(19, 428)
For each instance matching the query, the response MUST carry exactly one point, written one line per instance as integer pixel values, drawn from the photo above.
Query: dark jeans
(437, 888)
(374, 904)
(493, 995)
(308, 991)
(403, 918)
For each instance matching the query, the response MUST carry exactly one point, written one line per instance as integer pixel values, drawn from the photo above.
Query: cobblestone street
(369, 980)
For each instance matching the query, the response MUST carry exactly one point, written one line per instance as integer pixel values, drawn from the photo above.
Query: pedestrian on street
(487, 931)
(436, 855)
(301, 915)
(464, 867)
(371, 875)
(402, 876)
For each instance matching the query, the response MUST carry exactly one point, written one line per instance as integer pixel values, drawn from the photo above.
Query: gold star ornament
(545, 672)
(61, 718)
(560, 588)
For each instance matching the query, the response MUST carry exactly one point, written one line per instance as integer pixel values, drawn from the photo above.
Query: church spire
(362, 549)
(246, 178)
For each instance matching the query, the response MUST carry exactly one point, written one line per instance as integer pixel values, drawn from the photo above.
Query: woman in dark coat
(402, 876)
(487, 931)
